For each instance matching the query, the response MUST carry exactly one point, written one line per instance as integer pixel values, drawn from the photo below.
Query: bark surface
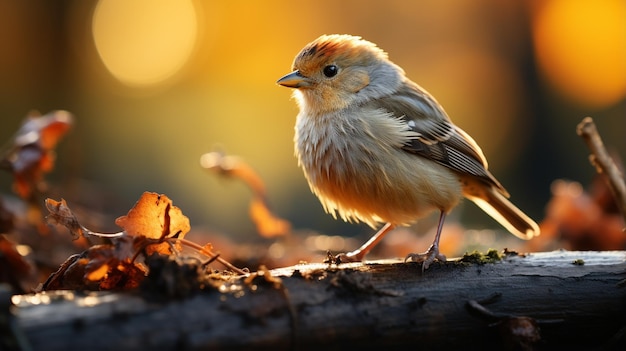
(553, 300)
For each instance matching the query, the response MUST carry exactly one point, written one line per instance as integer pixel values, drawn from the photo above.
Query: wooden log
(555, 300)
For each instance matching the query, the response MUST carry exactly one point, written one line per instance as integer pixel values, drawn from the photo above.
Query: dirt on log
(554, 300)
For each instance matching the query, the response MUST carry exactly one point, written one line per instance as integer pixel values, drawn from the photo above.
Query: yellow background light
(144, 42)
(581, 48)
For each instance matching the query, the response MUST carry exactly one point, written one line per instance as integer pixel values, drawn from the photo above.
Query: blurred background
(153, 85)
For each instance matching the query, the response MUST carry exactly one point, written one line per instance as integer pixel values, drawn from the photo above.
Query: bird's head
(337, 71)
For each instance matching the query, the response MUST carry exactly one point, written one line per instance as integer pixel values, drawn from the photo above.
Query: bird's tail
(502, 210)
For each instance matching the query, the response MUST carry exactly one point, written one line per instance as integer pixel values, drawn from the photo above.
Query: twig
(603, 162)
(212, 255)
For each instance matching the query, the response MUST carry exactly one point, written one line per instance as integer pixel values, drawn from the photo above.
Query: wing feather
(437, 138)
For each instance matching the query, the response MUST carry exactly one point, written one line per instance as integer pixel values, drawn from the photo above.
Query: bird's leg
(432, 253)
(358, 254)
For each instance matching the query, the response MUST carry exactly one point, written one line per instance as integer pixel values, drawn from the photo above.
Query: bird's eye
(330, 71)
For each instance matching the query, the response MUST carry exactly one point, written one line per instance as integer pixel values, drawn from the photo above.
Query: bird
(377, 148)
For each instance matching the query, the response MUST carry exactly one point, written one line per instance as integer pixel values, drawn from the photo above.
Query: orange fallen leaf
(31, 153)
(101, 267)
(234, 167)
(98, 274)
(124, 276)
(153, 225)
(69, 276)
(267, 224)
(155, 217)
(14, 268)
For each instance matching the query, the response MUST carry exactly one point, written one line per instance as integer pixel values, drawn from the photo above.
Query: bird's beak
(294, 80)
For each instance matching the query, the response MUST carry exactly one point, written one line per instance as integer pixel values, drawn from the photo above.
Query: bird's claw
(427, 257)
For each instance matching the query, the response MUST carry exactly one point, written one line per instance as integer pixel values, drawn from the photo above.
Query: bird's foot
(427, 257)
(359, 254)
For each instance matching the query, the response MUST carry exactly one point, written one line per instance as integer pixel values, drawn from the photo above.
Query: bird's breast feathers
(354, 162)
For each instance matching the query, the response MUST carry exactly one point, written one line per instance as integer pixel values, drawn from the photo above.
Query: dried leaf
(31, 153)
(95, 263)
(61, 214)
(112, 268)
(235, 167)
(98, 268)
(71, 275)
(155, 217)
(267, 224)
(104, 259)
(148, 228)
(125, 276)
(98, 273)
(13, 266)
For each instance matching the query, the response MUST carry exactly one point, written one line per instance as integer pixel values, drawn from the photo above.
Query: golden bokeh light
(581, 48)
(144, 42)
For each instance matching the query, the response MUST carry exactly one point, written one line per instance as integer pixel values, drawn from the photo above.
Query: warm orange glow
(581, 48)
(142, 42)
(267, 224)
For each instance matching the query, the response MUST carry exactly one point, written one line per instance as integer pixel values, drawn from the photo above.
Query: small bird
(375, 147)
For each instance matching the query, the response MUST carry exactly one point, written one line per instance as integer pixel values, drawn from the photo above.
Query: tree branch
(603, 162)
(555, 300)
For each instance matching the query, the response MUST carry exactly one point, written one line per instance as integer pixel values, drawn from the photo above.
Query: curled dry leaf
(61, 214)
(153, 225)
(14, 268)
(155, 217)
(69, 276)
(125, 275)
(233, 166)
(31, 152)
(105, 260)
(101, 267)
(268, 225)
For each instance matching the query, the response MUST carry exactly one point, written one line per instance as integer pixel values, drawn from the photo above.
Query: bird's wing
(437, 138)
